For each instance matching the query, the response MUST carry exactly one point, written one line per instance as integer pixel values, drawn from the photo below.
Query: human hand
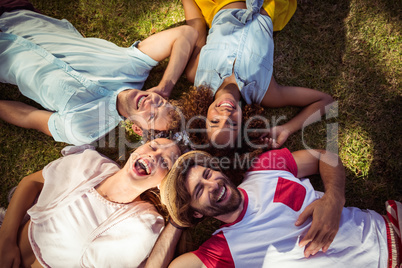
(326, 214)
(9, 252)
(160, 91)
(275, 137)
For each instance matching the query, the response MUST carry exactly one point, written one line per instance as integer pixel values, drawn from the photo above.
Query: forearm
(328, 165)
(180, 54)
(332, 173)
(24, 196)
(163, 251)
(195, 19)
(326, 211)
(313, 103)
(24, 115)
(15, 112)
(309, 114)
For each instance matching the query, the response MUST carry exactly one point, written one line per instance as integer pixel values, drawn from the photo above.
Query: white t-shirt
(73, 226)
(265, 234)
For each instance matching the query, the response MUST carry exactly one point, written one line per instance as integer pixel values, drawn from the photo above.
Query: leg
(195, 19)
(23, 115)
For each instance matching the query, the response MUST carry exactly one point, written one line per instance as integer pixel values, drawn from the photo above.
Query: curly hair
(192, 108)
(189, 114)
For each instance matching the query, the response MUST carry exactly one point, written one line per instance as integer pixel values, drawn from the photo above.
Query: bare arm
(326, 211)
(163, 251)
(24, 115)
(312, 101)
(188, 260)
(36, 264)
(195, 19)
(176, 43)
(23, 198)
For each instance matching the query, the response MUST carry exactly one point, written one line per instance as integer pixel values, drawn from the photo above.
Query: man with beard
(267, 219)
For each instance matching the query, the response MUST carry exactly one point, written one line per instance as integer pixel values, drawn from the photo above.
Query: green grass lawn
(350, 49)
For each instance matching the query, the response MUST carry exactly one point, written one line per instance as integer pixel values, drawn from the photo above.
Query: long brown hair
(153, 196)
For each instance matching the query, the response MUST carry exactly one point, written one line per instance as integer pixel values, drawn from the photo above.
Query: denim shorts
(245, 48)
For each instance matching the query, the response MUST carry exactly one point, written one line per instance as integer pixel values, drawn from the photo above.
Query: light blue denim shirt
(77, 78)
(241, 43)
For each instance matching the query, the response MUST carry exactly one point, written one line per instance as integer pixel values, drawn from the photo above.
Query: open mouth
(142, 167)
(228, 104)
(140, 100)
(222, 194)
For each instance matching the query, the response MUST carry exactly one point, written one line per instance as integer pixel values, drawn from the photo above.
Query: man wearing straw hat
(267, 219)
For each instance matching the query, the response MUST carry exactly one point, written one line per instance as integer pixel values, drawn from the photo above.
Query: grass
(350, 49)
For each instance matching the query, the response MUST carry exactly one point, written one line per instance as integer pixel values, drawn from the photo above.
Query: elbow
(190, 75)
(194, 34)
(33, 182)
(325, 103)
(332, 159)
(199, 26)
(190, 33)
(327, 99)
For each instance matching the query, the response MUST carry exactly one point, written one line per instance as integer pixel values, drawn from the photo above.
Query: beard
(216, 209)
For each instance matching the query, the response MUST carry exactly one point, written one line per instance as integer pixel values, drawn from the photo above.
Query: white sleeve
(69, 176)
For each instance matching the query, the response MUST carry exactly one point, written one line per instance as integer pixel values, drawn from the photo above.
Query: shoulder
(79, 163)
(215, 252)
(275, 160)
(83, 155)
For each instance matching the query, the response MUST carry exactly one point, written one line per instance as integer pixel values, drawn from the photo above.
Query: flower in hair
(182, 136)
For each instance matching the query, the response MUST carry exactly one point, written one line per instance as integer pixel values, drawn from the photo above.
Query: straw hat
(168, 186)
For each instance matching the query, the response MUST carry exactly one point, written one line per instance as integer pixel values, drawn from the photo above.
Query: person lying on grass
(89, 211)
(232, 64)
(86, 85)
(274, 218)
